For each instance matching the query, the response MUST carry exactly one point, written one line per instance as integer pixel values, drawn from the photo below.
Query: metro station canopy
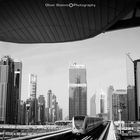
(52, 21)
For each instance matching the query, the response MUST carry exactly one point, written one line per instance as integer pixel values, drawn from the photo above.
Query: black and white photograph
(69, 69)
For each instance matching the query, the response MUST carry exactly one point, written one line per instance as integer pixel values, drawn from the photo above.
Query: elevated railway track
(98, 133)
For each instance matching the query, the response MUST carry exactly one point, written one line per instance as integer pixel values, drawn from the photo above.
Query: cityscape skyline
(104, 57)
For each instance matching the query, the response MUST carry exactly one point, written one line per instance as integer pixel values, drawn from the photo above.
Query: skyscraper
(32, 85)
(17, 88)
(131, 94)
(52, 110)
(119, 101)
(33, 114)
(93, 105)
(10, 90)
(49, 99)
(77, 90)
(137, 87)
(110, 91)
(102, 104)
(49, 106)
(41, 109)
(3, 91)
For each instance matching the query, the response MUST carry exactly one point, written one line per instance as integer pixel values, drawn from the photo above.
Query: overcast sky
(103, 55)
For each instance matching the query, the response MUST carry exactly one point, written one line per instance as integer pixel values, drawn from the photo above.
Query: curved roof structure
(52, 21)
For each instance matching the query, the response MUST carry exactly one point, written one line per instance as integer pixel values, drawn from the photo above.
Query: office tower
(10, 90)
(54, 108)
(57, 111)
(17, 88)
(47, 114)
(32, 85)
(93, 105)
(119, 101)
(41, 109)
(33, 115)
(102, 103)
(77, 90)
(137, 87)
(131, 91)
(49, 99)
(49, 106)
(110, 91)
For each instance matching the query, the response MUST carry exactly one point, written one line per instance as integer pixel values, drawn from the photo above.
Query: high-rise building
(119, 102)
(77, 90)
(49, 99)
(3, 91)
(102, 103)
(93, 105)
(41, 109)
(33, 113)
(10, 90)
(17, 88)
(52, 110)
(137, 87)
(110, 91)
(133, 88)
(49, 106)
(32, 85)
(54, 107)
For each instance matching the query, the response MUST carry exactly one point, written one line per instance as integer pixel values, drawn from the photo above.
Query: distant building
(10, 90)
(110, 91)
(41, 109)
(93, 105)
(119, 101)
(77, 90)
(102, 103)
(32, 85)
(28, 111)
(52, 110)
(60, 114)
(49, 99)
(33, 113)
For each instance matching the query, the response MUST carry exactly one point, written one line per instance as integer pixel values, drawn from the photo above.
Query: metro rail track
(67, 135)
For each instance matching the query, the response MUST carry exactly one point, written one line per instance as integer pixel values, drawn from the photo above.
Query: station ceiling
(52, 21)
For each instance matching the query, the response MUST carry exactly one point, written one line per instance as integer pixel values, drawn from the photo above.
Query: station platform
(111, 134)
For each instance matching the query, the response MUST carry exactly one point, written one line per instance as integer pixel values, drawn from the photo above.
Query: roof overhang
(34, 21)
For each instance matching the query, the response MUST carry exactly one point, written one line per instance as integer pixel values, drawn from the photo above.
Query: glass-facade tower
(77, 90)
(131, 94)
(10, 90)
(33, 117)
(93, 105)
(110, 91)
(137, 87)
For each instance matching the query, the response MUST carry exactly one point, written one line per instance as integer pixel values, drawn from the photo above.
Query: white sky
(103, 55)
